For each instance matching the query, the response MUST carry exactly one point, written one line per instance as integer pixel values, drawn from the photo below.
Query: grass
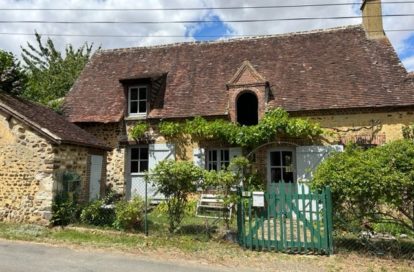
(197, 243)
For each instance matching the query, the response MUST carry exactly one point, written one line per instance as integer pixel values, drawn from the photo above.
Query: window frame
(281, 167)
(138, 160)
(219, 158)
(138, 100)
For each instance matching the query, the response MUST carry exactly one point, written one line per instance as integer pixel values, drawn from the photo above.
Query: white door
(95, 177)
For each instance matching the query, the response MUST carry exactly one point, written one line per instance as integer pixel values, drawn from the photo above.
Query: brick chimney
(372, 19)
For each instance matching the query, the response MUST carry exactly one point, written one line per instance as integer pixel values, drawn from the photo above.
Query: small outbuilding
(41, 154)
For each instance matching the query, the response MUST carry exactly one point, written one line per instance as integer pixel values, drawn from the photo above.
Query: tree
(175, 180)
(375, 185)
(12, 78)
(51, 75)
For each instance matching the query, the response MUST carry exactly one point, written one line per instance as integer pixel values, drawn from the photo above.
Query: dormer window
(247, 109)
(137, 100)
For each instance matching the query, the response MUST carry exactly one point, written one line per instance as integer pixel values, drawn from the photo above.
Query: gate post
(329, 221)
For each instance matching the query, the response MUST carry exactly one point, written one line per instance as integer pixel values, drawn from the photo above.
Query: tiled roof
(328, 69)
(47, 122)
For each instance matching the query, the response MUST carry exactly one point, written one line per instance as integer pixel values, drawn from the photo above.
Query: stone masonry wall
(77, 159)
(111, 134)
(26, 173)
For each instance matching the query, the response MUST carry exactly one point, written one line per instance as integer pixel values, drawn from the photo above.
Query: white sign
(258, 199)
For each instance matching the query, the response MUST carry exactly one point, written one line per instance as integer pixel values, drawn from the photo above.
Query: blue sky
(154, 34)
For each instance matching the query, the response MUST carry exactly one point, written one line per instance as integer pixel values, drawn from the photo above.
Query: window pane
(134, 153)
(142, 106)
(287, 158)
(213, 155)
(133, 94)
(275, 158)
(276, 175)
(143, 155)
(225, 155)
(134, 166)
(133, 107)
(142, 93)
(143, 166)
(287, 175)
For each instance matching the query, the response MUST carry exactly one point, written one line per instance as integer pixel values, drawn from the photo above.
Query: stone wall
(112, 134)
(26, 173)
(30, 167)
(77, 159)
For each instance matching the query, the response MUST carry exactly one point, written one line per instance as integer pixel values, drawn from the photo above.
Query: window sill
(135, 117)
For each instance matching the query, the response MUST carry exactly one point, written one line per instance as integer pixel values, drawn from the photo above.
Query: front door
(95, 177)
(281, 167)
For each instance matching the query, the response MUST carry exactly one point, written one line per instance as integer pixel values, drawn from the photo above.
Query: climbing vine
(139, 130)
(275, 122)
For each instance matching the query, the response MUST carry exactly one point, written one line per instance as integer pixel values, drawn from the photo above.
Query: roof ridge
(258, 37)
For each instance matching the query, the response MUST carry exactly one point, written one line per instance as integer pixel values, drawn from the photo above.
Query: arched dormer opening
(247, 106)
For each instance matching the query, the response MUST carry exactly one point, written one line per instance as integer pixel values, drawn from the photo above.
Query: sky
(149, 34)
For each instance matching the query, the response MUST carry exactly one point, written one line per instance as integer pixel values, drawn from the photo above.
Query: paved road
(31, 257)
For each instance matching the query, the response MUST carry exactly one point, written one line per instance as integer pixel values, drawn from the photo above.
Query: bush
(375, 185)
(98, 214)
(129, 214)
(175, 180)
(64, 210)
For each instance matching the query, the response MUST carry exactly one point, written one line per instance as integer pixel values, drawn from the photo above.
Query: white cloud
(12, 43)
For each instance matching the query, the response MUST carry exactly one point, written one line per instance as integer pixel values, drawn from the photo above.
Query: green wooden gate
(293, 219)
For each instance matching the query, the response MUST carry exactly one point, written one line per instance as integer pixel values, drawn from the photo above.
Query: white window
(137, 100)
(139, 159)
(217, 159)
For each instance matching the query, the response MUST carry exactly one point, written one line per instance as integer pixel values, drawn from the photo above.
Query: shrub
(64, 210)
(98, 214)
(129, 214)
(175, 180)
(376, 185)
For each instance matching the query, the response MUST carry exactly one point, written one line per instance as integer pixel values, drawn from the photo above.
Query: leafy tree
(51, 74)
(375, 185)
(12, 78)
(175, 180)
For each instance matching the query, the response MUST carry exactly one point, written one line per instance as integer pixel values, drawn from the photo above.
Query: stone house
(38, 150)
(348, 79)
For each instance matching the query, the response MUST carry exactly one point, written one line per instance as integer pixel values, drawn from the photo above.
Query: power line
(197, 21)
(159, 36)
(200, 8)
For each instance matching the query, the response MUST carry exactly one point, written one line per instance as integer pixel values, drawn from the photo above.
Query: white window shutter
(160, 152)
(199, 157)
(309, 157)
(235, 152)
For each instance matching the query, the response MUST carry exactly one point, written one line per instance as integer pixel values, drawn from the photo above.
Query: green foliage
(170, 129)
(129, 214)
(64, 210)
(175, 180)
(274, 122)
(12, 78)
(408, 132)
(190, 208)
(50, 73)
(139, 129)
(96, 213)
(375, 185)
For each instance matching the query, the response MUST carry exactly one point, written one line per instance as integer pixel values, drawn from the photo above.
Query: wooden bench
(212, 203)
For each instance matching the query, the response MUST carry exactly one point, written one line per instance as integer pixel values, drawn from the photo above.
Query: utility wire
(197, 21)
(200, 8)
(161, 36)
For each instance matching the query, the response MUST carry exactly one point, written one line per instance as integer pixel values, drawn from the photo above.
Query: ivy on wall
(275, 122)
